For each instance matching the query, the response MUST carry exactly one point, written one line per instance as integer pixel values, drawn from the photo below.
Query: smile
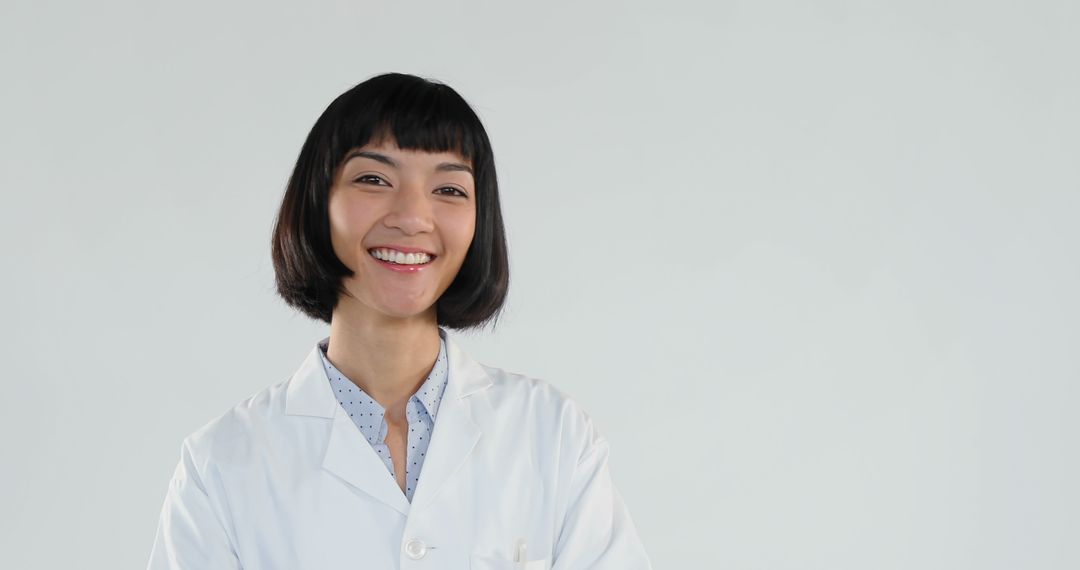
(399, 258)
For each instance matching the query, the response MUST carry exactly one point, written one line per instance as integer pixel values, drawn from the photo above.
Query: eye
(360, 179)
(463, 194)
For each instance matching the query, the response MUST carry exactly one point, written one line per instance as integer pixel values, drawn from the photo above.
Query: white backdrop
(811, 266)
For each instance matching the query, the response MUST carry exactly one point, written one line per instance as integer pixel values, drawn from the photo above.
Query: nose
(411, 211)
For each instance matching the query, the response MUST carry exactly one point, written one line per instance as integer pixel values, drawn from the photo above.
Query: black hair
(420, 114)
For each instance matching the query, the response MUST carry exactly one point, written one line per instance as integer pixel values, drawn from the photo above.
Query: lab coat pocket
(496, 563)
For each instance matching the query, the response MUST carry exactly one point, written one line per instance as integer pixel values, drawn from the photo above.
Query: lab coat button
(415, 549)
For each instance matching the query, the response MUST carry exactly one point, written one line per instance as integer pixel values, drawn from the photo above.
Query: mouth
(400, 259)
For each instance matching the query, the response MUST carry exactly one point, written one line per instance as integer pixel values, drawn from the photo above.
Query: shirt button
(415, 549)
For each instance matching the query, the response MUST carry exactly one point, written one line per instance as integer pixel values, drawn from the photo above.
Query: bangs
(416, 115)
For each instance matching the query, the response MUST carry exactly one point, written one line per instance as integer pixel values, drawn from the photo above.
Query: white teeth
(399, 257)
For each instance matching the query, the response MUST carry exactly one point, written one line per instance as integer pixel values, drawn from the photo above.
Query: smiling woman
(375, 149)
(390, 444)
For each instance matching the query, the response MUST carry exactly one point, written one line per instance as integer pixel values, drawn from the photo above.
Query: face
(385, 197)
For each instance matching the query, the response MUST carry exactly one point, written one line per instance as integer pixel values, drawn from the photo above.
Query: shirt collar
(430, 392)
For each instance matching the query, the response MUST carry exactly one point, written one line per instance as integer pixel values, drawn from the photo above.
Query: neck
(388, 358)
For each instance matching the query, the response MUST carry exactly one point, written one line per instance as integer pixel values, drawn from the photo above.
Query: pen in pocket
(519, 552)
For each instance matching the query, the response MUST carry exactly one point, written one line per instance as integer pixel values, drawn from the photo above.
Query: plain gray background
(811, 266)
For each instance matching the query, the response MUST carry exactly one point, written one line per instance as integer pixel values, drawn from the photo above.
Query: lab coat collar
(350, 456)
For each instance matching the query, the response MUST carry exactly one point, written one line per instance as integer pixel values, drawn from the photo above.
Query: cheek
(346, 230)
(464, 231)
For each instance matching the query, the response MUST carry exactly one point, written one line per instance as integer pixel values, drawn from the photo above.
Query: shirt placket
(412, 414)
(379, 443)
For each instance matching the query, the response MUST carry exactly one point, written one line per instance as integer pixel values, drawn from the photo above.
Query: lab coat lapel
(455, 433)
(349, 456)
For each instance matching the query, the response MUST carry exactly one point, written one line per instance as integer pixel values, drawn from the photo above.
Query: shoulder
(235, 432)
(542, 406)
(538, 393)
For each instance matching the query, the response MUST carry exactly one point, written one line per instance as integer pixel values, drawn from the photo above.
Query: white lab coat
(285, 480)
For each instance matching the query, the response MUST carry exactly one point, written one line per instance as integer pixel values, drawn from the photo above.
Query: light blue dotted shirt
(368, 415)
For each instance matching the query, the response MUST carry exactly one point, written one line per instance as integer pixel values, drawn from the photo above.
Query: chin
(405, 310)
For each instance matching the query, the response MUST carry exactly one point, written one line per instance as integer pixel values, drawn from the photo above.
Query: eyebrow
(441, 167)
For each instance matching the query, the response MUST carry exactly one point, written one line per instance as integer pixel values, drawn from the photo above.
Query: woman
(390, 231)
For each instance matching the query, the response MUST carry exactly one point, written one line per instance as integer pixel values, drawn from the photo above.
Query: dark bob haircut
(419, 114)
